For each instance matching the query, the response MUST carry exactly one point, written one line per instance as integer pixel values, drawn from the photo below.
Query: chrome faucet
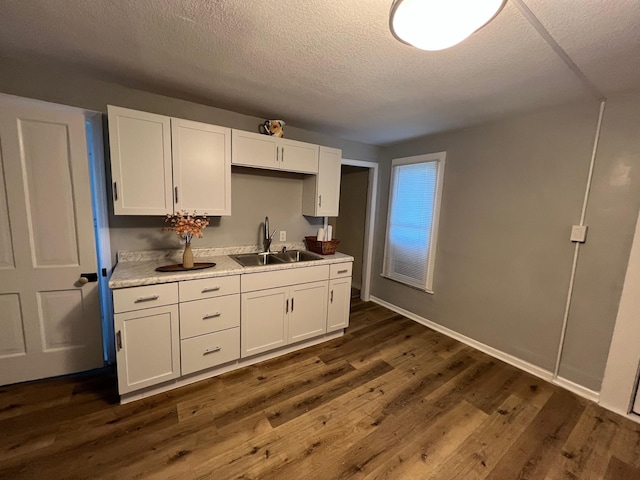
(266, 241)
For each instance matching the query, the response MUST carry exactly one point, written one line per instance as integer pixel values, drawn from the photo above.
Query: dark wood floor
(389, 400)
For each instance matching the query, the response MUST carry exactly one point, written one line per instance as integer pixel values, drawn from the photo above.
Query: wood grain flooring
(390, 399)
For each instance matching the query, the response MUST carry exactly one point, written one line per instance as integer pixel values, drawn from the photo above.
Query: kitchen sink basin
(294, 256)
(259, 259)
(255, 259)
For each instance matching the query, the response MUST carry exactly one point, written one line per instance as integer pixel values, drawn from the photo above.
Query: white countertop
(142, 272)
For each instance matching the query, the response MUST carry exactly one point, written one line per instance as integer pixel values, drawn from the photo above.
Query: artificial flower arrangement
(187, 225)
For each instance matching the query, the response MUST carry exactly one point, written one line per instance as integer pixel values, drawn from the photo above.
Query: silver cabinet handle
(147, 299)
(287, 310)
(212, 350)
(210, 289)
(319, 200)
(176, 193)
(342, 271)
(119, 340)
(282, 154)
(211, 315)
(115, 191)
(277, 154)
(292, 304)
(331, 296)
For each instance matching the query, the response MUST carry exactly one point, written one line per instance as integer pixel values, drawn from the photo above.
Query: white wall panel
(61, 319)
(6, 247)
(46, 168)
(12, 337)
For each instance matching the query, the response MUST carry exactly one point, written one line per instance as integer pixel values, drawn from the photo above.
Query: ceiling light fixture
(440, 24)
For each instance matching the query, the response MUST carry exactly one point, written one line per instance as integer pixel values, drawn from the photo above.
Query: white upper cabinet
(321, 193)
(160, 165)
(264, 151)
(201, 167)
(298, 156)
(140, 146)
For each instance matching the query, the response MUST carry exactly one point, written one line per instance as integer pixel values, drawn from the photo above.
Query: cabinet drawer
(282, 278)
(210, 315)
(137, 298)
(206, 351)
(209, 287)
(341, 269)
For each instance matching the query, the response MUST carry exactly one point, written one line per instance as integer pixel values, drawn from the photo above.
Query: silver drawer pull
(147, 299)
(211, 315)
(210, 289)
(342, 271)
(212, 350)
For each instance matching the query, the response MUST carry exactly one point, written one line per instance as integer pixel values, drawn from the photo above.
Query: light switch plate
(283, 236)
(579, 233)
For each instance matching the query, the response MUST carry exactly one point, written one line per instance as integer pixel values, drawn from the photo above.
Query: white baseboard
(546, 375)
(577, 389)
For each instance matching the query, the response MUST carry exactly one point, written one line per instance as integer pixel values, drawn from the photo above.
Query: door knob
(87, 277)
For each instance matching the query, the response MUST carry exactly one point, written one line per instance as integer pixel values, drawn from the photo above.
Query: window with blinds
(412, 225)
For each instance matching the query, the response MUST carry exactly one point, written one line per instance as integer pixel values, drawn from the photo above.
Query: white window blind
(414, 203)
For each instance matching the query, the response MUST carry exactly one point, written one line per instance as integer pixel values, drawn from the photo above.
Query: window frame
(440, 159)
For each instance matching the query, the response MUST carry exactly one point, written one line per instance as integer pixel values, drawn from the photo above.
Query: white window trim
(439, 157)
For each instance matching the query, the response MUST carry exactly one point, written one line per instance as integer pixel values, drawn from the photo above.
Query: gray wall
(512, 190)
(255, 193)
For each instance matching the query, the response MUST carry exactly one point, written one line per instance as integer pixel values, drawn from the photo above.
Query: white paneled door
(49, 314)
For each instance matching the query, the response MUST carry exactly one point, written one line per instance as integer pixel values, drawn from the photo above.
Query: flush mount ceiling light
(440, 24)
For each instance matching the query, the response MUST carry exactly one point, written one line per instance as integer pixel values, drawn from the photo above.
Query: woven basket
(323, 248)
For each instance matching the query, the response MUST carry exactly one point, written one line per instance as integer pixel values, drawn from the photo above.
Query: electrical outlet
(283, 236)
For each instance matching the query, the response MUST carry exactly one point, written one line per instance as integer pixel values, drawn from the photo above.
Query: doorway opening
(354, 226)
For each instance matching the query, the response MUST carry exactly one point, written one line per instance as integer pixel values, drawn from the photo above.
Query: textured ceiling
(332, 66)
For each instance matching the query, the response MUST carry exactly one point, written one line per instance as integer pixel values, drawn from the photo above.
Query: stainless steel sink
(259, 259)
(255, 259)
(294, 256)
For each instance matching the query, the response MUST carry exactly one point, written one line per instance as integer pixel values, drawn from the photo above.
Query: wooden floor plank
(489, 442)
(530, 456)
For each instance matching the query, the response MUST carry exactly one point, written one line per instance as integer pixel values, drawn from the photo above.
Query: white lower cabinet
(264, 324)
(339, 304)
(339, 301)
(276, 317)
(209, 322)
(308, 312)
(167, 330)
(294, 310)
(147, 347)
(210, 350)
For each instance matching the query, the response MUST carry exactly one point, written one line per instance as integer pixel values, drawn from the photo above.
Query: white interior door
(49, 320)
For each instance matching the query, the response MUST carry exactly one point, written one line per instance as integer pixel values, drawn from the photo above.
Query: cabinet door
(308, 311)
(147, 347)
(263, 321)
(201, 167)
(253, 150)
(329, 182)
(298, 156)
(339, 303)
(321, 193)
(140, 145)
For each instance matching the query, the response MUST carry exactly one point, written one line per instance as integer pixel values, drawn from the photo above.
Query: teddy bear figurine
(273, 128)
